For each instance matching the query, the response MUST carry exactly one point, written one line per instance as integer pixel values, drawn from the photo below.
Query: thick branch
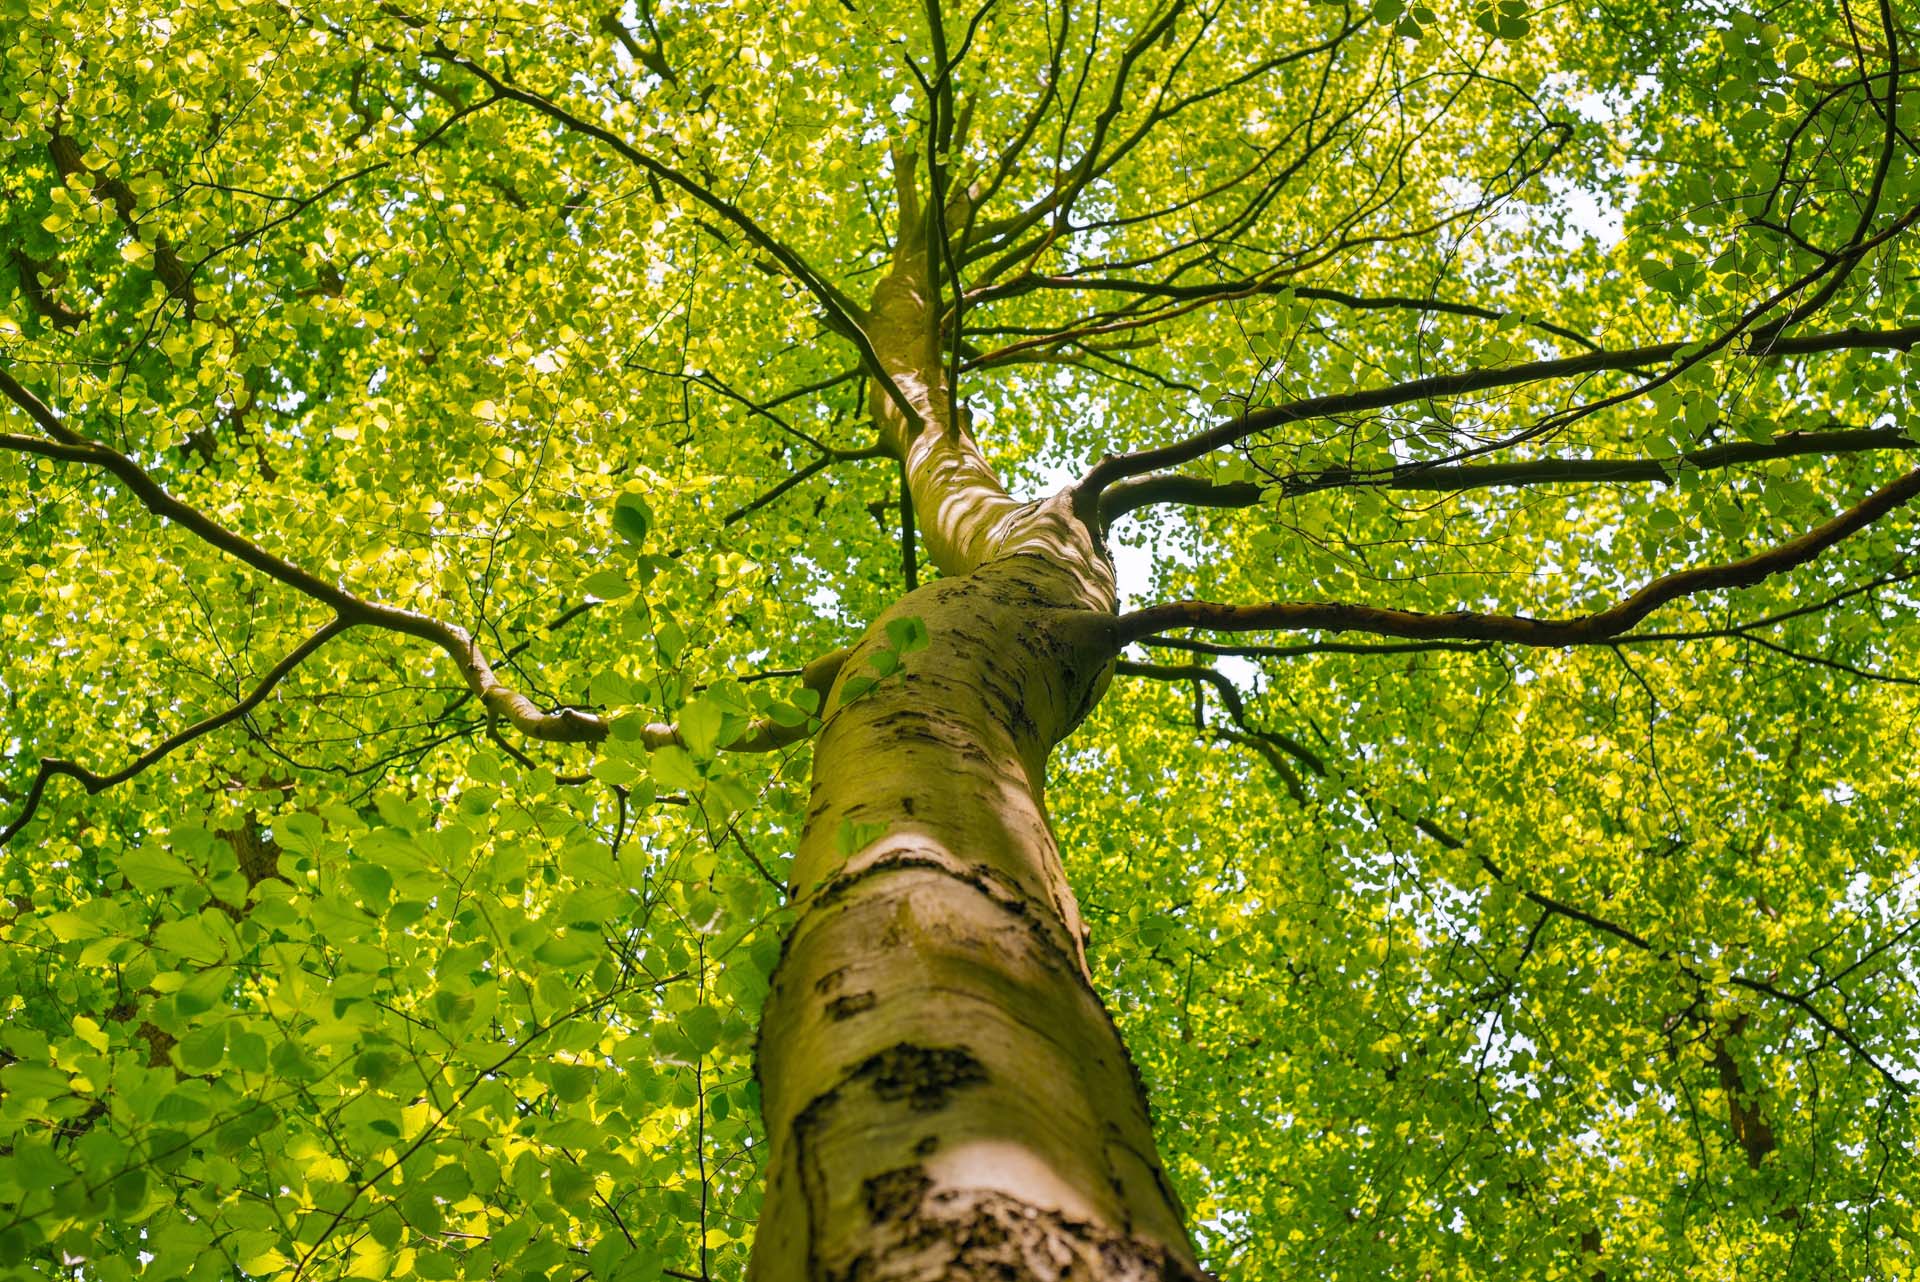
(1742, 631)
(1115, 468)
(1173, 487)
(959, 503)
(565, 725)
(1313, 647)
(1600, 626)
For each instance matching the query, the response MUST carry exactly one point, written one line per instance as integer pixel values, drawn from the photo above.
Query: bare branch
(564, 725)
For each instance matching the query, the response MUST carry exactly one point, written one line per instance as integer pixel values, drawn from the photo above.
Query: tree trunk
(944, 1093)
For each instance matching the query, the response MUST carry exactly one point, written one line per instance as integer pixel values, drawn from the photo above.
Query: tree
(1445, 468)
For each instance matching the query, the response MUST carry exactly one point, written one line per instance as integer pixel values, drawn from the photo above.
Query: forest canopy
(470, 477)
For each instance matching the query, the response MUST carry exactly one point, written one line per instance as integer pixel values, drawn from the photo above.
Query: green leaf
(700, 724)
(673, 767)
(608, 584)
(632, 519)
(189, 938)
(907, 635)
(671, 640)
(570, 1082)
(30, 1081)
(70, 926)
(203, 1048)
(702, 1028)
(150, 868)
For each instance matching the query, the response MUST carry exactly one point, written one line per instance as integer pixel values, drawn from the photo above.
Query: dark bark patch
(830, 981)
(808, 1119)
(966, 1234)
(848, 1005)
(927, 1146)
(923, 1076)
(843, 882)
(895, 1194)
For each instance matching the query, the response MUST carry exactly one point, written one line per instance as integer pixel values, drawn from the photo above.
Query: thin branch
(799, 477)
(1736, 631)
(763, 734)
(1251, 287)
(843, 314)
(93, 783)
(766, 874)
(1058, 202)
(1273, 745)
(1799, 1001)
(485, 1075)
